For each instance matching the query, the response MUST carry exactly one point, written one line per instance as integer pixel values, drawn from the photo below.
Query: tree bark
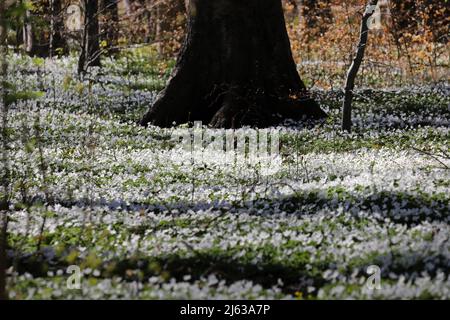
(28, 34)
(356, 64)
(56, 29)
(235, 68)
(90, 51)
(110, 28)
(93, 46)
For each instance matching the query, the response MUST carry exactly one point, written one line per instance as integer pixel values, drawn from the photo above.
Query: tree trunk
(90, 47)
(56, 29)
(93, 46)
(110, 25)
(28, 35)
(356, 64)
(235, 68)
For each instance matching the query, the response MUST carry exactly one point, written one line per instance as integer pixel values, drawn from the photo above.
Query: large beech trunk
(235, 68)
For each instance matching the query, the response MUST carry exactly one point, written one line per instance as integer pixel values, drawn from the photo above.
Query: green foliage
(15, 13)
(14, 95)
(17, 10)
(24, 95)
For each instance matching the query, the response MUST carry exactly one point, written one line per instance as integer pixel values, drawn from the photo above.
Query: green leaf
(39, 62)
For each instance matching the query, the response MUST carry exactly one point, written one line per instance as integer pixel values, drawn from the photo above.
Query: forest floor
(143, 219)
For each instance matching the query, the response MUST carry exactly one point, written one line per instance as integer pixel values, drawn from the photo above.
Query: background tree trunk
(110, 25)
(90, 47)
(28, 35)
(356, 64)
(93, 46)
(56, 29)
(235, 68)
